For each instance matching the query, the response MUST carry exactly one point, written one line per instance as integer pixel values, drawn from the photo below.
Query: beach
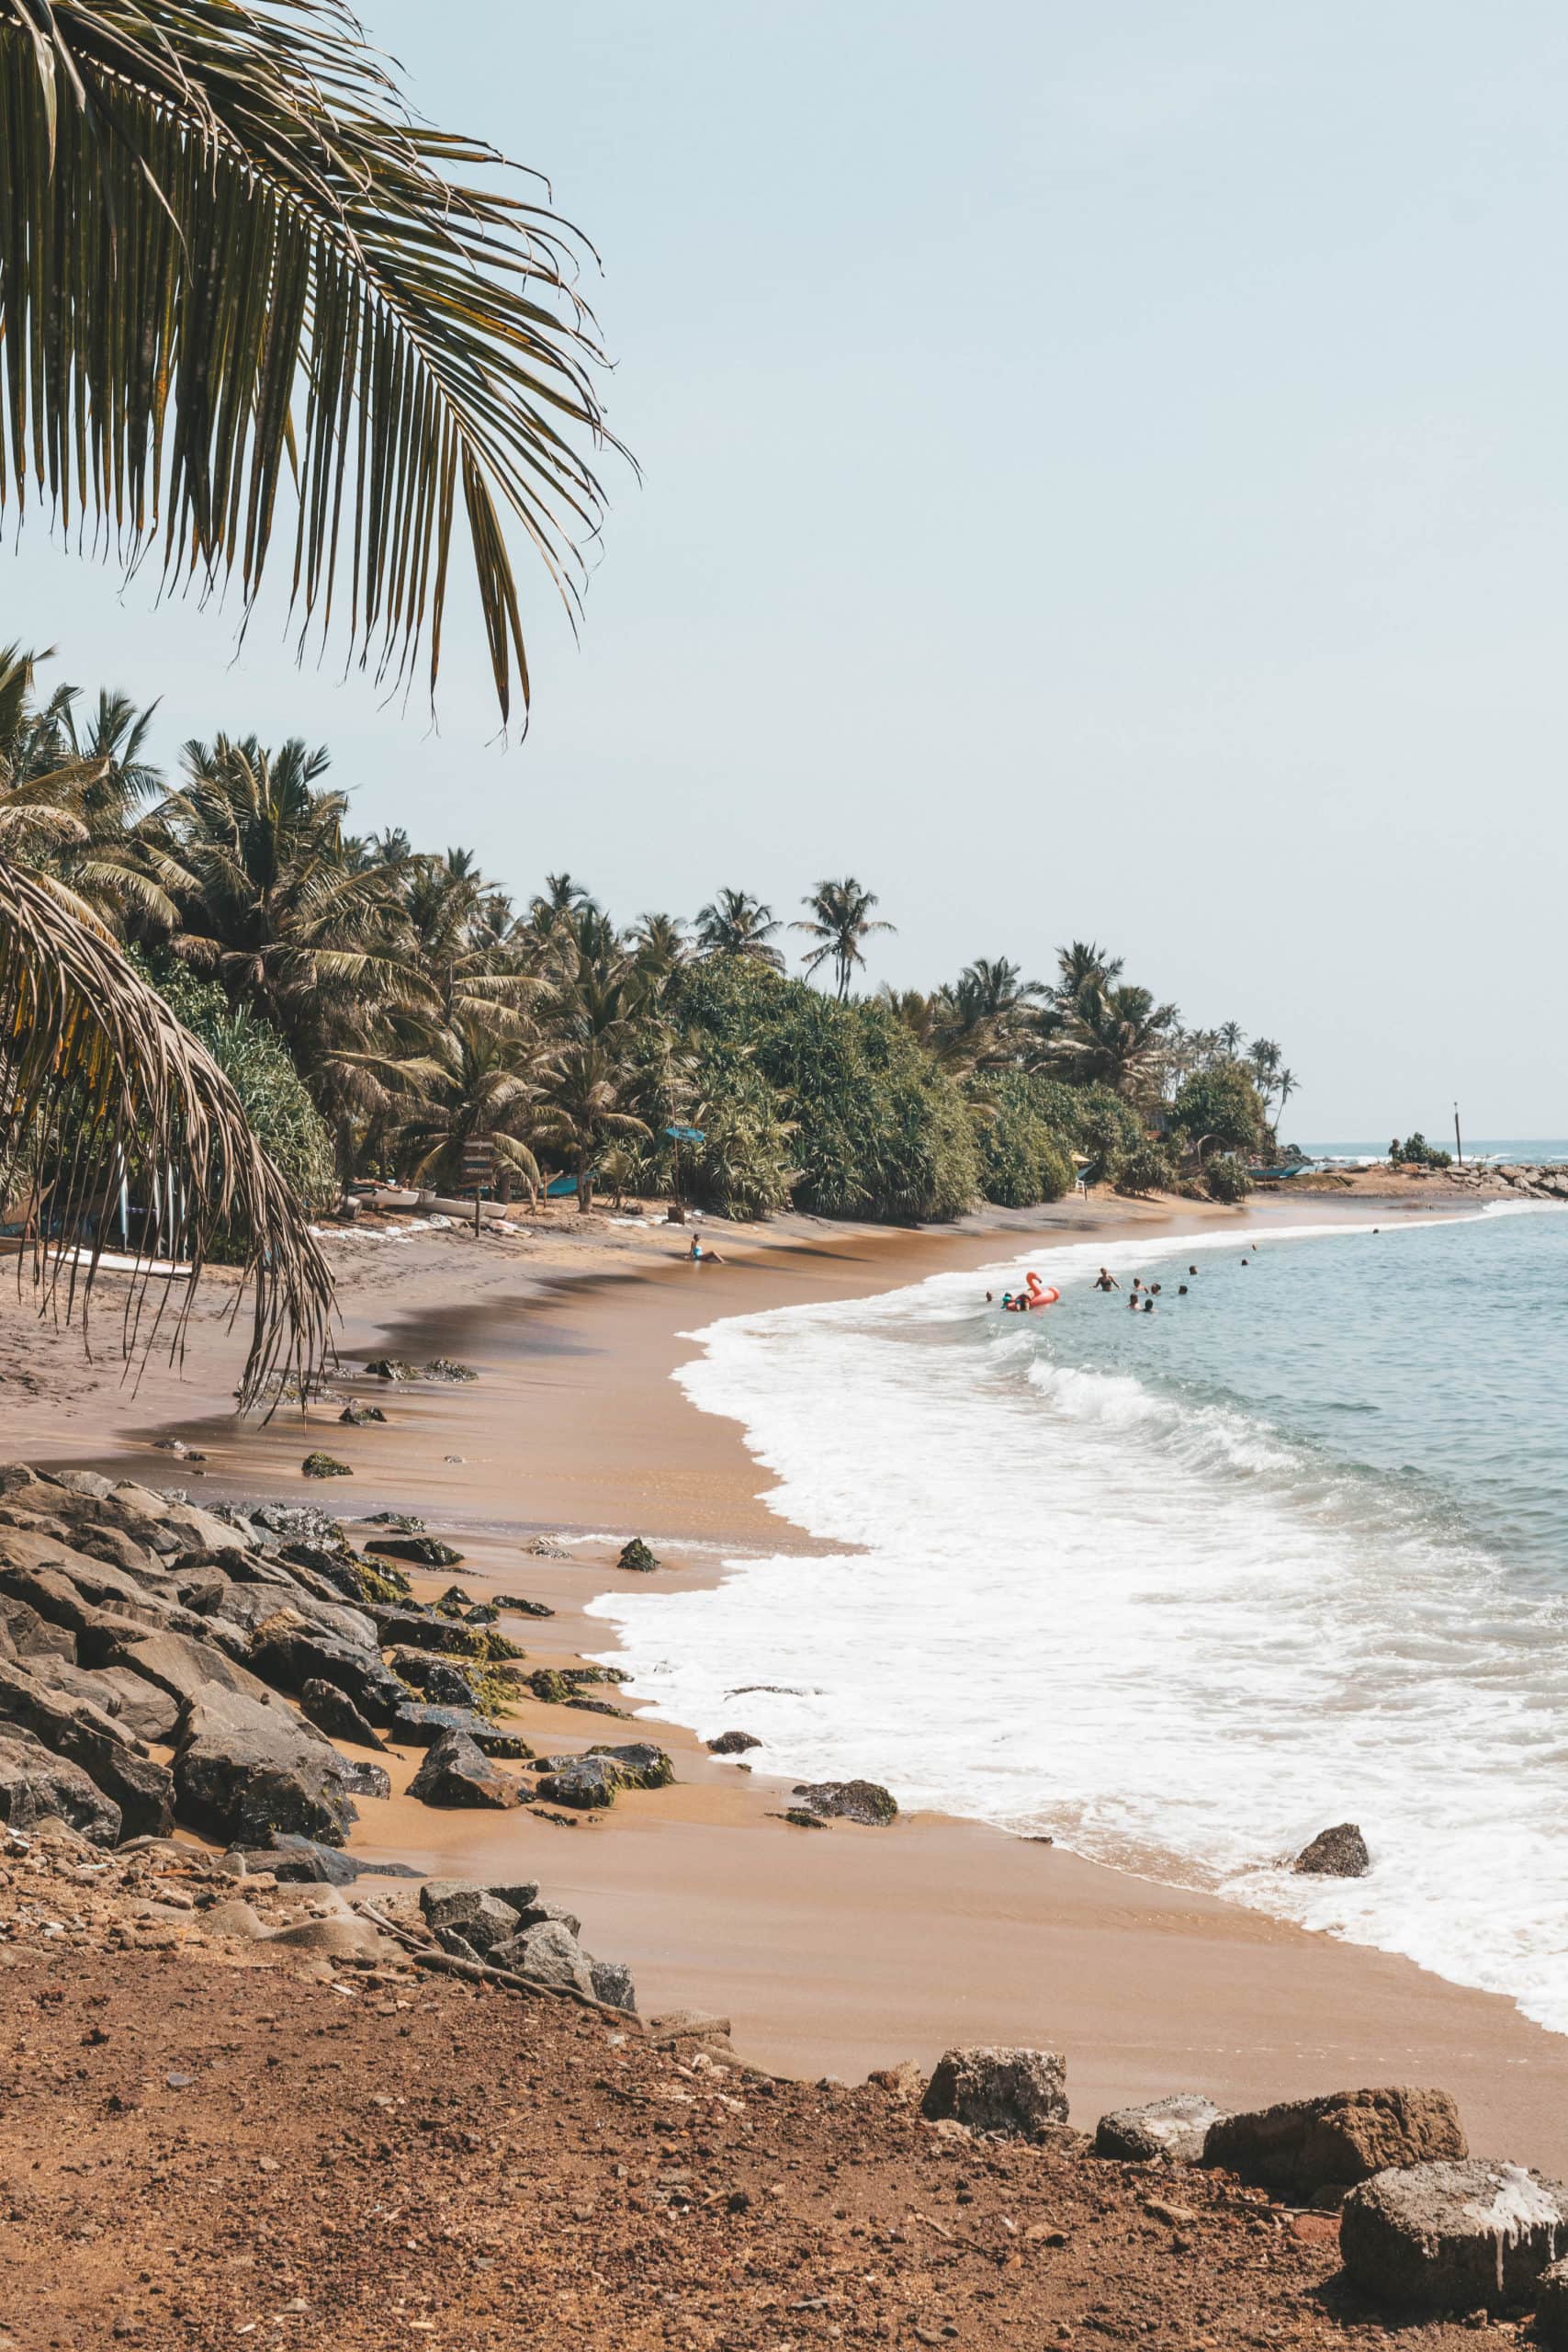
(833, 1952)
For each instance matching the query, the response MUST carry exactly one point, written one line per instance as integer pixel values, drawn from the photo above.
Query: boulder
(1453, 2237)
(1017, 2092)
(30, 1636)
(861, 1801)
(549, 1954)
(522, 1607)
(587, 1783)
(479, 1918)
(1340, 1852)
(637, 1558)
(612, 1985)
(419, 1550)
(245, 1768)
(359, 1416)
(181, 1667)
(36, 1786)
(234, 1921)
(421, 1726)
(109, 1755)
(422, 1629)
(732, 1743)
(334, 1712)
(139, 1706)
(439, 1680)
(324, 1465)
(640, 1764)
(391, 1368)
(1303, 2145)
(519, 1893)
(447, 1368)
(289, 1653)
(537, 1913)
(303, 1862)
(1551, 2308)
(457, 1772)
(339, 1938)
(249, 1605)
(1172, 2131)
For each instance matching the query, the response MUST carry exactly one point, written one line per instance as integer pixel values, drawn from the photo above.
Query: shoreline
(841, 1949)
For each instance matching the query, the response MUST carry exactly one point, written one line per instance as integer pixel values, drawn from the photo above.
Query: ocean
(1181, 1590)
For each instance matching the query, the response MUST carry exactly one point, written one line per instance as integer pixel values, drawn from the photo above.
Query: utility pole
(1458, 1146)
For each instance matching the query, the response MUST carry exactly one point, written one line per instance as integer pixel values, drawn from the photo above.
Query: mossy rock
(391, 1368)
(798, 1816)
(325, 1465)
(359, 1416)
(448, 1368)
(419, 1550)
(381, 1584)
(455, 1601)
(640, 1764)
(549, 1687)
(637, 1558)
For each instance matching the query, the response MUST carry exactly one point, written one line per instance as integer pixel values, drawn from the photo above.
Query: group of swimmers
(1142, 1299)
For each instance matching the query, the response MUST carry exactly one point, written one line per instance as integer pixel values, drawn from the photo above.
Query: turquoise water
(1528, 1151)
(1182, 1589)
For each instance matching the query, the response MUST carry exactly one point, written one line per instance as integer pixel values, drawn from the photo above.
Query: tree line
(379, 1007)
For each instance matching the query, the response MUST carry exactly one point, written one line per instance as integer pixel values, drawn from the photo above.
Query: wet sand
(832, 1950)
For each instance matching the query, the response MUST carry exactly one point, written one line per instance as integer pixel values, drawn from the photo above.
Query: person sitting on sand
(701, 1256)
(1106, 1281)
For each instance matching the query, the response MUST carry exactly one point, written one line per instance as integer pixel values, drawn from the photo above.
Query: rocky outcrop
(1170, 2130)
(419, 1551)
(1453, 2237)
(550, 1954)
(861, 1801)
(1340, 1852)
(479, 1918)
(732, 1743)
(334, 1712)
(36, 1786)
(417, 1726)
(637, 1558)
(424, 1629)
(639, 1764)
(1303, 2147)
(325, 1465)
(289, 1653)
(586, 1783)
(440, 1680)
(456, 1771)
(612, 1985)
(1009, 2091)
(112, 1758)
(244, 1769)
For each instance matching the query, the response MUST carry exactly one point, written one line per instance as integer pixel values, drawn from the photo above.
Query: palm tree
(1285, 1084)
(660, 942)
(1083, 965)
(230, 259)
(1227, 1037)
(479, 1077)
(839, 919)
(1116, 1037)
(1264, 1058)
(734, 923)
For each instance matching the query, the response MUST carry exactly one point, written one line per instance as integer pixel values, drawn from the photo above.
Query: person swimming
(1105, 1279)
(1181, 1290)
(1149, 1306)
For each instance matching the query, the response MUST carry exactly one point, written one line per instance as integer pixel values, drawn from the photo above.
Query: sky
(1104, 473)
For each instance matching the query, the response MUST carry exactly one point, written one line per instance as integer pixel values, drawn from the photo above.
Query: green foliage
(1146, 1169)
(879, 1130)
(258, 1065)
(1225, 1178)
(1024, 1158)
(1221, 1105)
(1416, 1152)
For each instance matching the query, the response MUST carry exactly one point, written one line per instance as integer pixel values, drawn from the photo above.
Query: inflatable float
(1038, 1293)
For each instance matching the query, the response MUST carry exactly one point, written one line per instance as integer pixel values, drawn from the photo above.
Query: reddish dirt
(201, 2154)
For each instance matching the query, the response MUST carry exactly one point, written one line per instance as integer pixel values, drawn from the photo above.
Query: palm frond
(95, 1068)
(229, 254)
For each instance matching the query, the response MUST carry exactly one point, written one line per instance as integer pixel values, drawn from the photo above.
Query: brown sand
(840, 1949)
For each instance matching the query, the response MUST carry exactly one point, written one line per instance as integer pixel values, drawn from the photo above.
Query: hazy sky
(1105, 473)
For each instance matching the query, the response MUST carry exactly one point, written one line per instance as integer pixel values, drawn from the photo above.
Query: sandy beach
(833, 1952)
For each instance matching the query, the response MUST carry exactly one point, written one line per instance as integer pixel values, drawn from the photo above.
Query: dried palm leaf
(226, 249)
(103, 1094)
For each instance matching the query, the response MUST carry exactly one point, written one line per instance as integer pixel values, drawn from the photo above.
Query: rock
(640, 1764)
(905, 2083)
(147, 1711)
(324, 1465)
(181, 1667)
(636, 1557)
(480, 1917)
(358, 1416)
(339, 1938)
(245, 1769)
(420, 1551)
(612, 1985)
(391, 1368)
(519, 1893)
(421, 1726)
(1173, 2129)
(549, 1954)
(537, 1913)
(334, 1712)
(547, 1547)
(364, 1780)
(448, 1369)
(587, 1783)
(1335, 1853)
(290, 1653)
(403, 1520)
(32, 1637)
(861, 1801)
(249, 1606)
(732, 1743)
(457, 1772)
(36, 1786)
(1014, 2091)
(442, 1680)
(1453, 2237)
(520, 1607)
(234, 1920)
(111, 1757)
(1303, 2145)
(426, 1629)
(303, 1862)
(1551, 2308)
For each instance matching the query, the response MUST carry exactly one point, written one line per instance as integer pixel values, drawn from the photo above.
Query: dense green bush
(1146, 1169)
(1220, 1105)
(1416, 1152)
(259, 1066)
(1225, 1178)
(875, 1128)
(1023, 1158)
